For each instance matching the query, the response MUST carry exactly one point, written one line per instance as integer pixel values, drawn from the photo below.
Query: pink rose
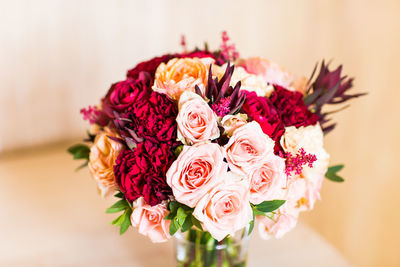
(268, 181)
(196, 120)
(226, 208)
(197, 169)
(232, 122)
(150, 220)
(248, 148)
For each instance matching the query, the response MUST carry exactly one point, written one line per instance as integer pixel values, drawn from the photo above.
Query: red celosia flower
(141, 172)
(291, 108)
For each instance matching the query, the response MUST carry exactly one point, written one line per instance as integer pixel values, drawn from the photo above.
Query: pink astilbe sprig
(94, 115)
(295, 163)
(183, 43)
(228, 51)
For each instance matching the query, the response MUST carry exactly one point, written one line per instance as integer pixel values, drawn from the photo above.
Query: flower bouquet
(202, 144)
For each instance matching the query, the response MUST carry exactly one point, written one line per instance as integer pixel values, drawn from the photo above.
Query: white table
(53, 216)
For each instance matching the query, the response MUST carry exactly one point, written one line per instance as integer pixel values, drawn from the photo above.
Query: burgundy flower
(291, 108)
(262, 111)
(199, 54)
(152, 118)
(149, 66)
(123, 95)
(141, 172)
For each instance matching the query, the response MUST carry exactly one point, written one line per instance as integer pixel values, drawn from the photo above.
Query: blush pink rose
(149, 220)
(277, 226)
(226, 208)
(196, 170)
(273, 73)
(268, 181)
(248, 148)
(196, 120)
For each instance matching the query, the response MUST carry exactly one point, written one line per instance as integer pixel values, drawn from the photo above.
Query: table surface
(53, 216)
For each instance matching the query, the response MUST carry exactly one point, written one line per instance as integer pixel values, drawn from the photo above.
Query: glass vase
(196, 248)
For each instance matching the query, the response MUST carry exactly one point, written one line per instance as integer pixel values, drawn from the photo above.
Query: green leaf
(173, 206)
(173, 228)
(331, 174)
(119, 195)
(126, 223)
(178, 150)
(118, 206)
(196, 222)
(251, 226)
(187, 224)
(79, 151)
(335, 168)
(181, 215)
(269, 206)
(257, 212)
(333, 177)
(169, 216)
(119, 220)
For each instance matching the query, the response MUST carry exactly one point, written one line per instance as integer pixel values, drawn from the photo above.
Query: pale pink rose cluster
(221, 182)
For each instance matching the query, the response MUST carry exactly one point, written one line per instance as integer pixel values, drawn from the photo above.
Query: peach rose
(309, 138)
(249, 82)
(273, 73)
(196, 120)
(226, 208)
(232, 122)
(149, 220)
(196, 170)
(268, 181)
(248, 147)
(181, 74)
(103, 154)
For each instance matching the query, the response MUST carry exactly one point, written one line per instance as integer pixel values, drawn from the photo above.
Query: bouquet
(206, 143)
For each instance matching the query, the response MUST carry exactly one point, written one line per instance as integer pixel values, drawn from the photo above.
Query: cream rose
(196, 120)
(196, 170)
(226, 208)
(309, 138)
(103, 154)
(181, 74)
(268, 181)
(248, 147)
(232, 122)
(149, 220)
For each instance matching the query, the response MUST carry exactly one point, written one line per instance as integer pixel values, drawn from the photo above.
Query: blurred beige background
(59, 56)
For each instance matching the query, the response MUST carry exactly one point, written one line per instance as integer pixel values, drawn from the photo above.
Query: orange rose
(181, 74)
(102, 158)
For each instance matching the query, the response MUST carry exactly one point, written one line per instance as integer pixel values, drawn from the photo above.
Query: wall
(58, 56)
